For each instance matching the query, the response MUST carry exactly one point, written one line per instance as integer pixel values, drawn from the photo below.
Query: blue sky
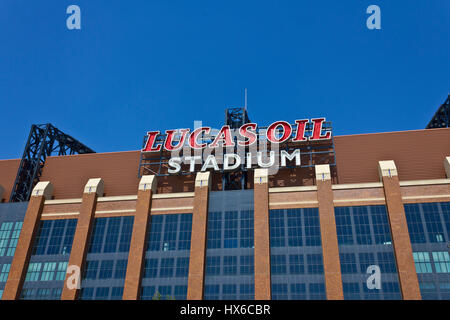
(147, 65)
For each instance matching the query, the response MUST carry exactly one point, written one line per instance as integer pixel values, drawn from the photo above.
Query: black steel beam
(441, 118)
(44, 140)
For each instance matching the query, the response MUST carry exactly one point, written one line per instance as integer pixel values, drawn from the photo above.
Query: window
(294, 223)
(315, 264)
(433, 222)
(121, 269)
(212, 266)
(230, 229)
(298, 291)
(61, 273)
(278, 264)
(117, 293)
(229, 265)
(441, 262)
(211, 292)
(4, 271)
(148, 292)
(348, 263)
(101, 293)
(182, 269)
(229, 291)
(422, 262)
(247, 265)
(48, 271)
(91, 270)
(279, 291)
(106, 269)
(9, 235)
(166, 269)
(343, 225)
(33, 272)
(151, 268)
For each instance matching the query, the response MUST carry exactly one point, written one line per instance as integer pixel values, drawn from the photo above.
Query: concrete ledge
(447, 166)
(387, 169)
(148, 182)
(43, 188)
(261, 176)
(203, 179)
(95, 185)
(322, 172)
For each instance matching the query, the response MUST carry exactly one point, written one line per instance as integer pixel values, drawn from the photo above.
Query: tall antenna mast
(245, 103)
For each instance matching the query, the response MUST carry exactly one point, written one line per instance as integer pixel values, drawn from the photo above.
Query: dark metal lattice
(44, 140)
(441, 118)
(235, 180)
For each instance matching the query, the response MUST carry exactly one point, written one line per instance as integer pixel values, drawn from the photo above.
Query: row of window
(362, 225)
(388, 291)
(9, 235)
(54, 237)
(101, 293)
(294, 227)
(46, 271)
(170, 232)
(105, 269)
(228, 265)
(298, 291)
(385, 260)
(164, 292)
(424, 264)
(111, 235)
(230, 229)
(4, 271)
(295, 264)
(436, 217)
(166, 267)
(243, 291)
(41, 294)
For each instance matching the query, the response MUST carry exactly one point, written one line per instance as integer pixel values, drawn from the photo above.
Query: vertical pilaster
(92, 190)
(409, 283)
(19, 266)
(136, 256)
(198, 237)
(2, 190)
(330, 248)
(263, 289)
(447, 166)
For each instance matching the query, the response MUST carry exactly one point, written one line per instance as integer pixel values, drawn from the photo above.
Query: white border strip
(424, 182)
(115, 211)
(174, 195)
(427, 197)
(293, 203)
(292, 189)
(172, 209)
(357, 185)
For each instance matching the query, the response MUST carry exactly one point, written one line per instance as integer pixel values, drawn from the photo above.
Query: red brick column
(198, 237)
(19, 266)
(136, 256)
(92, 190)
(331, 261)
(261, 235)
(407, 275)
(2, 190)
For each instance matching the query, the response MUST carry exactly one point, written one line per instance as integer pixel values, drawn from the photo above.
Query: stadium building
(363, 216)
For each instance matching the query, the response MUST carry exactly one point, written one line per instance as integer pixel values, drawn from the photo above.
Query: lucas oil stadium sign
(249, 146)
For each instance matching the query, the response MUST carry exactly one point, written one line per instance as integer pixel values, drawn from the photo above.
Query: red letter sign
(194, 135)
(301, 126)
(317, 131)
(225, 136)
(271, 130)
(169, 139)
(151, 141)
(244, 132)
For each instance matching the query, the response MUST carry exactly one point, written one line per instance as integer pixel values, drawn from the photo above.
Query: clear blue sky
(154, 65)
